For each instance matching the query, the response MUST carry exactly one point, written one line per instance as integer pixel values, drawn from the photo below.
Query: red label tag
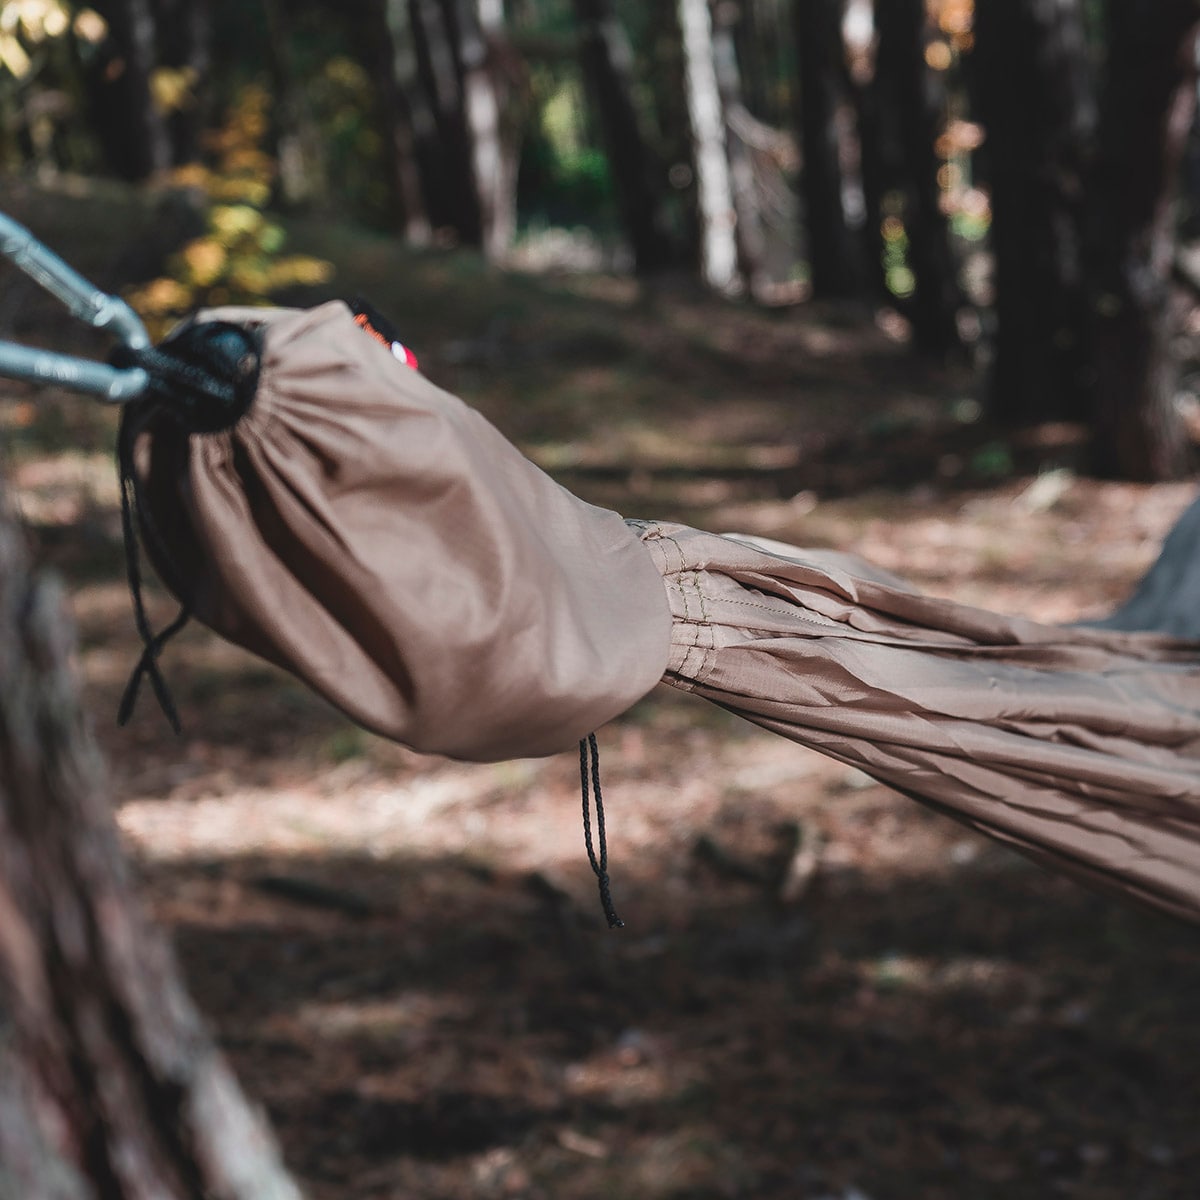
(371, 321)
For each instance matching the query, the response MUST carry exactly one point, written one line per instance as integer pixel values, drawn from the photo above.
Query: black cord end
(589, 781)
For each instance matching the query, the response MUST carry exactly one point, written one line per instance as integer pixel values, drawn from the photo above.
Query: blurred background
(914, 278)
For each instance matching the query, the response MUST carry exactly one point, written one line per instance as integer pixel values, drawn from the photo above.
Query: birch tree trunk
(480, 27)
(751, 241)
(718, 239)
(110, 1087)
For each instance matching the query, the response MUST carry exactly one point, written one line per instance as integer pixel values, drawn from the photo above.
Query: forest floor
(404, 957)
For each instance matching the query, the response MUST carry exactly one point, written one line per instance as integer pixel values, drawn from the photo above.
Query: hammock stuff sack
(349, 521)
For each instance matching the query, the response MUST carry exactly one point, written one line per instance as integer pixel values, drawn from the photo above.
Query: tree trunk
(128, 124)
(917, 100)
(718, 242)
(1033, 85)
(831, 249)
(1148, 106)
(484, 100)
(302, 175)
(428, 172)
(452, 197)
(386, 49)
(110, 1088)
(751, 239)
(185, 32)
(607, 60)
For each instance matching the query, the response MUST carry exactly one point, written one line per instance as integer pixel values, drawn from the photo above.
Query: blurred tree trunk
(1148, 105)
(718, 240)
(185, 32)
(1036, 96)
(915, 95)
(385, 44)
(880, 162)
(423, 184)
(128, 124)
(751, 242)
(109, 1085)
(832, 252)
(479, 40)
(607, 60)
(302, 176)
(451, 192)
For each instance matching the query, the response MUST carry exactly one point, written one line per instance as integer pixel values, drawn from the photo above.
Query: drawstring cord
(132, 512)
(204, 378)
(599, 863)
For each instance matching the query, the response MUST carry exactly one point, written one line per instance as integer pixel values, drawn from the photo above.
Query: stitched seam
(710, 659)
(678, 550)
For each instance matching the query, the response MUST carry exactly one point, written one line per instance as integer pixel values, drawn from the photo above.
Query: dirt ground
(823, 992)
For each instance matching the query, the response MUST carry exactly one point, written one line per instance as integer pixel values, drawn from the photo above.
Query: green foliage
(897, 273)
(564, 178)
(238, 259)
(41, 101)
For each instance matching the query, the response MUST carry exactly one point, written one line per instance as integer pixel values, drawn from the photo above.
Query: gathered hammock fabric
(371, 533)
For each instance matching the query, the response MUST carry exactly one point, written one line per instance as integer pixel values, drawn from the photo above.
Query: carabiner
(83, 300)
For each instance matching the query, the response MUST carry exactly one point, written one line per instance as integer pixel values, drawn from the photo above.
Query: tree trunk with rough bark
(607, 61)
(110, 1087)
(1148, 105)
(1034, 89)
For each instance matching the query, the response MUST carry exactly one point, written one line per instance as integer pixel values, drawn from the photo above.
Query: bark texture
(1148, 107)
(109, 1085)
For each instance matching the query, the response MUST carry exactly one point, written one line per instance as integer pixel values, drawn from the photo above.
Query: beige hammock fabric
(1078, 746)
(381, 540)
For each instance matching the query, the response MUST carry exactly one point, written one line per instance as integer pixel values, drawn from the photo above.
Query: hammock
(309, 497)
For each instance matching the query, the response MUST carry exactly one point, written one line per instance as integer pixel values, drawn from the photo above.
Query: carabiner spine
(85, 301)
(111, 384)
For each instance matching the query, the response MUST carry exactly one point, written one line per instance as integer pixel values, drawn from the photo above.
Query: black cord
(203, 379)
(600, 863)
(132, 510)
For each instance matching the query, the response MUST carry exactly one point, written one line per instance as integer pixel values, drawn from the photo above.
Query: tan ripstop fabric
(375, 536)
(1079, 747)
